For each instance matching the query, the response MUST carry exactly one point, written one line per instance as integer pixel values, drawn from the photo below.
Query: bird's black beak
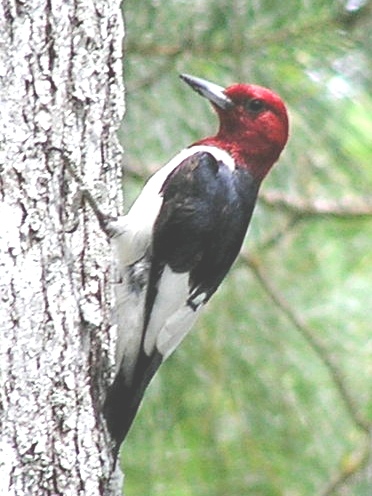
(211, 91)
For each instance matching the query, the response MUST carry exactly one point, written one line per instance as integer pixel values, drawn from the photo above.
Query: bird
(181, 236)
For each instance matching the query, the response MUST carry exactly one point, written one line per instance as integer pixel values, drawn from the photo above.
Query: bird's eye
(255, 105)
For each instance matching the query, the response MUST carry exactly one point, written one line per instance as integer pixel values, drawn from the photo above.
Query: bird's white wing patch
(173, 290)
(171, 317)
(175, 329)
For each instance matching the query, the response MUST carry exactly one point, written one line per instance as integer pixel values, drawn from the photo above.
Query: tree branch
(343, 209)
(343, 19)
(312, 339)
(356, 462)
(361, 456)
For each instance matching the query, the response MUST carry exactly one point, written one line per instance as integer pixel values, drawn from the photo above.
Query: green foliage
(271, 393)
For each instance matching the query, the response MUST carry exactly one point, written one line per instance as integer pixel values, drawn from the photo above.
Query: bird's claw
(111, 226)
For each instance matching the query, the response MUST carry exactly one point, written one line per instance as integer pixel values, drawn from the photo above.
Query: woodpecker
(183, 233)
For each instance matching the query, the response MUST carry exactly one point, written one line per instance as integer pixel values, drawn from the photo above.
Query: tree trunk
(61, 103)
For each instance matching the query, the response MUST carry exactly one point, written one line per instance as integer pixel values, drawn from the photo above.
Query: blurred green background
(271, 394)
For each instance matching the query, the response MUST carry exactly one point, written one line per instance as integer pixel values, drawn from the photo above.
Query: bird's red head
(253, 123)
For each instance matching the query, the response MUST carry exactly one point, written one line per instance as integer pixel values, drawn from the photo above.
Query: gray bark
(60, 96)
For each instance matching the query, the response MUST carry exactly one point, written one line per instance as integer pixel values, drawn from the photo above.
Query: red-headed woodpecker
(183, 233)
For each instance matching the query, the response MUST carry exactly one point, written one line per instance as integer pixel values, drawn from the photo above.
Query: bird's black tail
(123, 400)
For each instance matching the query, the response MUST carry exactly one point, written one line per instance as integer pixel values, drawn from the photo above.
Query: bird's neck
(257, 159)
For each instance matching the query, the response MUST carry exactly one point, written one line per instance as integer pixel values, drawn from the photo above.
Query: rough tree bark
(61, 102)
